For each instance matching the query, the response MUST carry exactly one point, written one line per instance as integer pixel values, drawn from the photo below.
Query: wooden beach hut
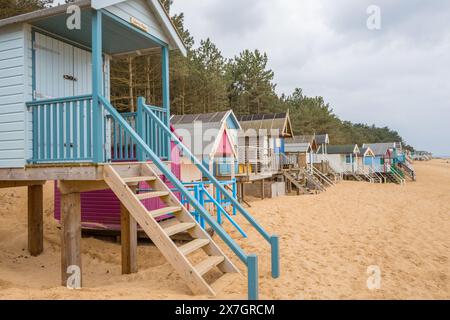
(57, 123)
(345, 159)
(212, 138)
(322, 140)
(385, 161)
(261, 143)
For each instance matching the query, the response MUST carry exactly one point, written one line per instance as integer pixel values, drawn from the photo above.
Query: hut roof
(343, 149)
(322, 138)
(204, 141)
(380, 149)
(366, 152)
(297, 147)
(301, 139)
(154, 5)
(280, 122)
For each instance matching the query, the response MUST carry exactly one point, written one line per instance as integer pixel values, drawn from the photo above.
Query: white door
(62, 70)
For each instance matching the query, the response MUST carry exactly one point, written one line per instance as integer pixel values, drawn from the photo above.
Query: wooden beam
(70, 235)
(35, 219)
(66, 187)
(129, 241)
(14, 184)
(67, 172)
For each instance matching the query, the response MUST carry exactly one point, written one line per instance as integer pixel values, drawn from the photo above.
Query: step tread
(209, 263)
(139, 179)
(163, 211)
(178, 228)
(152, 195)
(194, 245)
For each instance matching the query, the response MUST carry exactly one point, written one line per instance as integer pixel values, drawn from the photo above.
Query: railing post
(234, 196)
(166, 93)
(97, 75)
(252, 265)
(275, 246)
(140, 126)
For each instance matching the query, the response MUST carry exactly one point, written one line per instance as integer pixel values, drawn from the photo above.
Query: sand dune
(327, 243)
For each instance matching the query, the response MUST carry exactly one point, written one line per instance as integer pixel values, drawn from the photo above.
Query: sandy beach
(327, 243)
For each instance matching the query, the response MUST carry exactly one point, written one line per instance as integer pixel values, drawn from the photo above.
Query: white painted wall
(13, 91)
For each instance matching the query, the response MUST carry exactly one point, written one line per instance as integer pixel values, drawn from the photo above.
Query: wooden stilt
(70, 237)
(262, 189)
(129, 241)
(35, 220)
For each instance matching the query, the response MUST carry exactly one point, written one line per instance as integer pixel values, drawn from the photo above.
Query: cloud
(397, 76)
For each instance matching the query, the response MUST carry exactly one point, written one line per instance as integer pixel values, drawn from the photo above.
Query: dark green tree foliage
(11, 8)
(205, 81)
(250, 83)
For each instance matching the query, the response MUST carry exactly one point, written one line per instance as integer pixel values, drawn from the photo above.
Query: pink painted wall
(101, 209)
(225, 147)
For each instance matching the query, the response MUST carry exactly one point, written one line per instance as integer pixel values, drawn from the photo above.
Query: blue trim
(97, 77)
(252, 261)
(166, 91)
(58, 100)
(133, 28)
(275, 245)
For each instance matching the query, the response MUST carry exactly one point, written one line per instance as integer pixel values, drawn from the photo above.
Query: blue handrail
(250, 261)
(273, 240)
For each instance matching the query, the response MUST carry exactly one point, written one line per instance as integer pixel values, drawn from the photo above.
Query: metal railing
(62, 130)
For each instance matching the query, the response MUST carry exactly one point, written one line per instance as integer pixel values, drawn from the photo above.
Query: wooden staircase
(314, 181)
(301, 189)
(122, 179)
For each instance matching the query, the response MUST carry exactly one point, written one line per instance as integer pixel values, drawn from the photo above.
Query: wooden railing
(62, 130)
(123, 148)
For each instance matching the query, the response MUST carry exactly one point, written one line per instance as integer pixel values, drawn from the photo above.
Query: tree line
(205, 81)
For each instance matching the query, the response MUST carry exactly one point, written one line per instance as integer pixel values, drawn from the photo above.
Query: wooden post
(70, 235)
(262, 189)
(35, 220)
(129, 241)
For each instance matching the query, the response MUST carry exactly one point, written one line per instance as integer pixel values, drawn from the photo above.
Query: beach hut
(387, 161)
(261, 143)
(322, 140)
(212, 137)
(57, 123)
(297, 154)
(365, 162)
(345, 158)
(297, 145)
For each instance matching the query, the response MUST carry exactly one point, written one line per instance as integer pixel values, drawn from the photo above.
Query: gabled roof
(297, 147)
(213, 125)
(322, 138)
(155, 5)
(213, 117)
(301, 139)
(280, 122)
(343, 149)
(380, 149)
(308, 139)
(366, 152)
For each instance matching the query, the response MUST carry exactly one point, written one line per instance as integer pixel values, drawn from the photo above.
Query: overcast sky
(397, 76)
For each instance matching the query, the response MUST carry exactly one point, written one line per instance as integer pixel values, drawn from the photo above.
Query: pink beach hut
(211, 137)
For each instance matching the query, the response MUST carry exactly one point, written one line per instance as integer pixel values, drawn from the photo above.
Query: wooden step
(207, 264)
(162, 212)
(139, 179)
(179, 228)
(193, 246)
(152, 195)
